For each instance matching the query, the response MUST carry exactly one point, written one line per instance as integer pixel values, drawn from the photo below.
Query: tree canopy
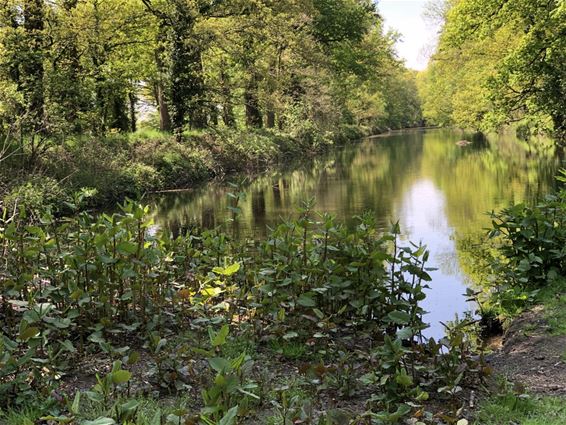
(499, 62)
(69, 67)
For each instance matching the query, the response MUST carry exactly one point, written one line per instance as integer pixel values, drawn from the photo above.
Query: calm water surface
(438, 191)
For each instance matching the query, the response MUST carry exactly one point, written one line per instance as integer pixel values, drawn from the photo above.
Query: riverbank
(530, 363)
(117, 166)
(527, 293)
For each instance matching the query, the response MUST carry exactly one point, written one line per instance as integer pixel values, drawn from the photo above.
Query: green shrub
(181, 167)
(311, 137)
(530, 253)
(534, 240)
(347, 133)
(122, 165)
(36, 194)
(136, 179)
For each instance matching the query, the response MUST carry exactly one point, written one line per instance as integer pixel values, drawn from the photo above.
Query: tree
(510, 58)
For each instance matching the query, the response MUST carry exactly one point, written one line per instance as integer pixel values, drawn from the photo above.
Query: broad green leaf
(127, 248)
(121, 377)
(76, 403)
(404, 379)
(306, 300)
(405, 333)
(133, 357)
(230, 417)
(29, 333)
(227, 271)
(219, 364)
(57, 419)
(290, 335)
(399, 317)
(100, 421)
(220, 337)
(96, 337)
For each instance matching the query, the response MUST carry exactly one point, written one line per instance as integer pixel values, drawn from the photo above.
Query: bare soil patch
(530, 356)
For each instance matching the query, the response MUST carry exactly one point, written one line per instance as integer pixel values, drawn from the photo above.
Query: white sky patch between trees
(418, 37)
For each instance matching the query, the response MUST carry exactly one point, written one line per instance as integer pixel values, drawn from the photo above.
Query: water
(439, 191)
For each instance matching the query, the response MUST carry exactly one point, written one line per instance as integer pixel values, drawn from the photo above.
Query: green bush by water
(77, 286)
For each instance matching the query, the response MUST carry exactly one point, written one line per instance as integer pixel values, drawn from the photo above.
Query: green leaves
(306, 300)
(127, 248)
(505, 67)
(294, 289)
(100, 421)
(399, 317)
(121, 377)
(219, 364)
(230, 417)
(219, 338)
(29, 333)
(228, 270)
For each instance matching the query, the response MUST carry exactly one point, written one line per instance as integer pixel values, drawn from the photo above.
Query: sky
(418, 36)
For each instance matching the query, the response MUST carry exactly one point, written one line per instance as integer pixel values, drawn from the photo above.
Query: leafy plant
(231, 391)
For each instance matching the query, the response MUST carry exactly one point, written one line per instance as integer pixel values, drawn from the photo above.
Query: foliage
(69, 67)
(522, 260)
(79, 285)
(530, 250)
(498, 62)
(534, 240)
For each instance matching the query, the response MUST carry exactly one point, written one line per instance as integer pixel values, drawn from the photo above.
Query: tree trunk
(133, 120)
(185, 82)
(32, 67)
(164, 116)
(68, 66)
(197, 101)
(270, 120)
(214, 116)
(227, 110)
(253, 111)
(119, 117)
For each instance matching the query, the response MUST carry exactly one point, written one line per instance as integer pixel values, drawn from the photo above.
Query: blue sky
(418, 36)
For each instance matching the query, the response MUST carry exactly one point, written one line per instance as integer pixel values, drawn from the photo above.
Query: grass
(554, 301)
(512, 409)
(129, 165)
(289, 349)
(23, 417)
(146, 411)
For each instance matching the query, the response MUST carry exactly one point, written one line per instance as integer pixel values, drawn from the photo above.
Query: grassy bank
(523, 267)
(129, 165)
(531, 364)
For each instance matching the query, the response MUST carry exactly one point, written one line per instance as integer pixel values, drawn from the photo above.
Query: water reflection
(438, 190)
(423, 219)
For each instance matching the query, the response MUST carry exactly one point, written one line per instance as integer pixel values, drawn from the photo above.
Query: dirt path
(529, 355)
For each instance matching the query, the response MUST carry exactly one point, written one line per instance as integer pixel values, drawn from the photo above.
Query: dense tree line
(82, 67)
(498, 62)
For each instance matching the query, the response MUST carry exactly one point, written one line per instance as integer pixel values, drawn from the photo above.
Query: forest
(244, 81)
(117, 310)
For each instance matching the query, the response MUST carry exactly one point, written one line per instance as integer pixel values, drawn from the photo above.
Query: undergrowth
(188, 315)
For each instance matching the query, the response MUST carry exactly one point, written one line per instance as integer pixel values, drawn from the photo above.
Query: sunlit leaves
(498, 62)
